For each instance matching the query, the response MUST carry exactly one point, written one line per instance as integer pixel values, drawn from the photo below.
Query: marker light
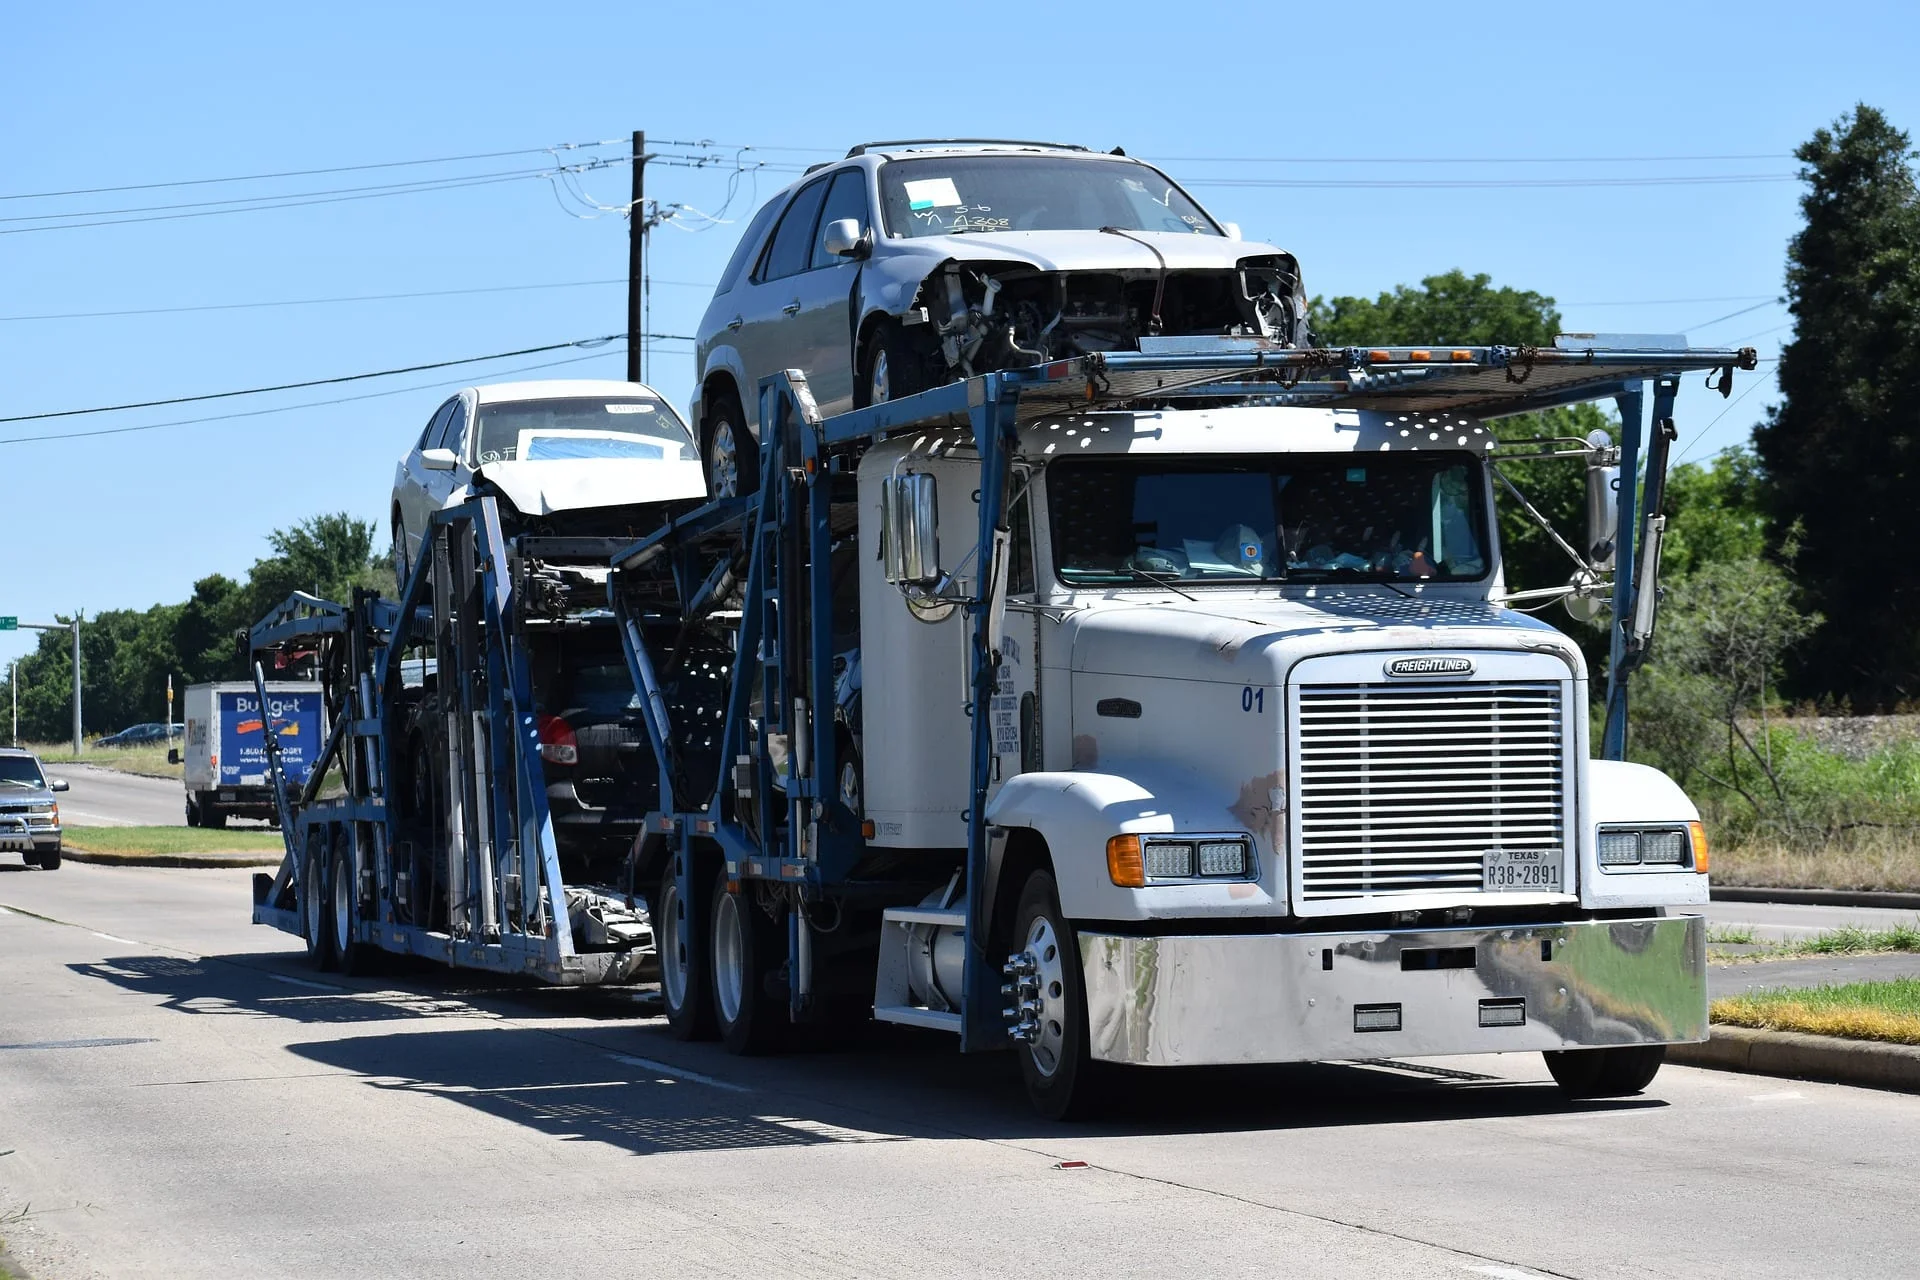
(1376, 1017)
(1124, 864)
(1505, 1012)
(1698, 830)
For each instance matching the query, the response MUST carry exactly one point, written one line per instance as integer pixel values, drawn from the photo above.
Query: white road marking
(125, 942)
(95, 819)
(1788, 1096)
(678, 1073)
(302, 982)
(831, 1132)
(1508, 1273)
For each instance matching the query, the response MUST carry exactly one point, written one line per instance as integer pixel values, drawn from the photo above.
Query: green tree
(1840, 453)
(1714, 514)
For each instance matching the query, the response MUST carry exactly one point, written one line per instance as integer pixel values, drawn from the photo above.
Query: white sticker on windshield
(629, 408)
(932, 193)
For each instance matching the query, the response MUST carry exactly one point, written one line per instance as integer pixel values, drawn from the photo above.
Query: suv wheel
(728, 449)
(890, 366)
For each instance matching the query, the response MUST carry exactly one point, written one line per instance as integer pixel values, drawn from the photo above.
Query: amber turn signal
(1698, 830)
(1124, 864)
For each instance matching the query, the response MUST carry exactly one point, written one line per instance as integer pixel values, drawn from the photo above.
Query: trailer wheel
(683, 962)
(745, 955)
(350, 954)
(315, 926)
(1605, 1073)
(1063, 1080)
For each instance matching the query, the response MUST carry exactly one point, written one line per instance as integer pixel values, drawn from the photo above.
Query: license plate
(1523, 870)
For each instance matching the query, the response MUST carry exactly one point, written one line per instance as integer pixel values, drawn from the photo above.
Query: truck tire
(1605, 1073)
(212, 817)
(728, 451)
(49, 859)
(1063, 1080)
(343, 903)
(193, 813)
(316, 923)
(684, 986)
(742, 941)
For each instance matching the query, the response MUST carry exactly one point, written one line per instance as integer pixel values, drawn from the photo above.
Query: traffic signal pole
(74, 626)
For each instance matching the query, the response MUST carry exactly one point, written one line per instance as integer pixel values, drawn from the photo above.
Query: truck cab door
(1015, 708)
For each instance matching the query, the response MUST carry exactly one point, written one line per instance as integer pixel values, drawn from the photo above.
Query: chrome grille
(1401, 789)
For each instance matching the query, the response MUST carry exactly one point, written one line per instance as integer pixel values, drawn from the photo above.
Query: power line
(1460, 159)
(289, 408)
(1438, 184)
(362, 297)
(324, 382)
(308, 173)
(1667, 302)
(1770, 302)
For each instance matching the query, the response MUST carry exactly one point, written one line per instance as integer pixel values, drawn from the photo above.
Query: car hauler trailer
(1169, 708)
(424, 826)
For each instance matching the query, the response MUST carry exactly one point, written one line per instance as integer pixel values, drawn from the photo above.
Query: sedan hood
(1095, 250)
(548, 485)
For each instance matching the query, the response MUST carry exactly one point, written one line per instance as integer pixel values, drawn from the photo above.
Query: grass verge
(1886, 1011)
(1849, 940)
(151, 840)
(1881, 865)
(148, 762)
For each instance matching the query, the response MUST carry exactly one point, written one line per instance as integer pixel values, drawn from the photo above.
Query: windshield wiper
(1157, 579)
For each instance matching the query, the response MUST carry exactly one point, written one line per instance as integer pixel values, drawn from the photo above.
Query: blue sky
(111, 95)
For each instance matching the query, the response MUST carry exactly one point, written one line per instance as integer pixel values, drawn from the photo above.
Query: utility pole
(76, 684)
(637, 263)
(13, 687)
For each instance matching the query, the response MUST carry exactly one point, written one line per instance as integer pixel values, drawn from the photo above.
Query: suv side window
(793, 239)
(457, 429)
(847, 198)
(749, 242)
(436, 427)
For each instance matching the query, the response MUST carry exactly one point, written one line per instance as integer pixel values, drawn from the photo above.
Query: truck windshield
(1318, 518)
(949, 194)
(20, 771)
(581, 427)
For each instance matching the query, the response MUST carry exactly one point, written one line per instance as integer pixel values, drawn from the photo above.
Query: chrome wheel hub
(671, 939)
(723, 464)
(880, 388)
(343, 896)
(729, 957)
(1037, 988)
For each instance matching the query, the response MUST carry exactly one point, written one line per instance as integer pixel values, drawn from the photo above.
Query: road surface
(106, 798)
(183, 1096)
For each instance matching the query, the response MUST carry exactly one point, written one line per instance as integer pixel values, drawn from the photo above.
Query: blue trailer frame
(784, 533)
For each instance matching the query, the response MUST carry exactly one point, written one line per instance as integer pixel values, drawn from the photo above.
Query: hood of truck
(548, 485)
(1256, 641)
(1094, 250)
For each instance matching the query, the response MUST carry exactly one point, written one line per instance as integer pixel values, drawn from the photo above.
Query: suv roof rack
(865, 147)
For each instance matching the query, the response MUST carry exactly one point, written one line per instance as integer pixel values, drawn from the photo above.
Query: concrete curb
(1791, 1053)
(201, 860)
(1815, 897)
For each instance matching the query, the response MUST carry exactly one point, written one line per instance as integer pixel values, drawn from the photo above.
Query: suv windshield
(945, 195)
(20, 771)
(549, 430)
(1315, 518)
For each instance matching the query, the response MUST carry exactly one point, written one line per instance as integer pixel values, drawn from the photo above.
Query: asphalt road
(1775, 921)
(104, 798)
(181, 1096)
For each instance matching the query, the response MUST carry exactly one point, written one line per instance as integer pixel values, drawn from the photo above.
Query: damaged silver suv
(910, 264)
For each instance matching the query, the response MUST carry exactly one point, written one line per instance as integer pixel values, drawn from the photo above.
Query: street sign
(9, 624)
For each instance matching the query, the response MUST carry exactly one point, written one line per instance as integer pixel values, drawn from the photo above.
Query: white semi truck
(1156, 709)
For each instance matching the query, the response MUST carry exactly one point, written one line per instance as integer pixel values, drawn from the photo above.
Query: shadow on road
(581, 1066)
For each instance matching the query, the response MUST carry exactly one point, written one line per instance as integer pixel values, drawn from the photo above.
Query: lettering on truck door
(1015, 709)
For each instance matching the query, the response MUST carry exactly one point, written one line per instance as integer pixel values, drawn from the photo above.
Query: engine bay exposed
(979, 317)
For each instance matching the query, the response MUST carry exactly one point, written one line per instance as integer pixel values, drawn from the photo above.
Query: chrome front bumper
(1178, 1001)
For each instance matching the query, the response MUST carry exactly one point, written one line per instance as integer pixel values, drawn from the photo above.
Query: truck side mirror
(173, 755)
(910, 529)
(58, 784)
(845, 238)
(1231, 230)
(1603, 498)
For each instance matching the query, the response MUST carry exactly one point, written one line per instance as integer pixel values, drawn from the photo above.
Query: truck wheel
(212, 818)
(315, 925)
(49, 859)
(728, 449)
(683, 963)
(1063, 1080)
(744, 956)
(1605, 1073)
(350, 954)
(193, 813)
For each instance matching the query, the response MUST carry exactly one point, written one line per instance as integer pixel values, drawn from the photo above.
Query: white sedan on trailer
(572, 456)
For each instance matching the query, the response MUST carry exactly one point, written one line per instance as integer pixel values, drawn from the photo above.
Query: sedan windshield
(543, 430)
(948, 194)
(1319, 518)
(20, 771)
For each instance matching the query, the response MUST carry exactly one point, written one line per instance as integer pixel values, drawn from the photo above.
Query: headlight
(1223, 858)
(1619, 848)
(1665, 848)
(1668, 848)
(1169, 861)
